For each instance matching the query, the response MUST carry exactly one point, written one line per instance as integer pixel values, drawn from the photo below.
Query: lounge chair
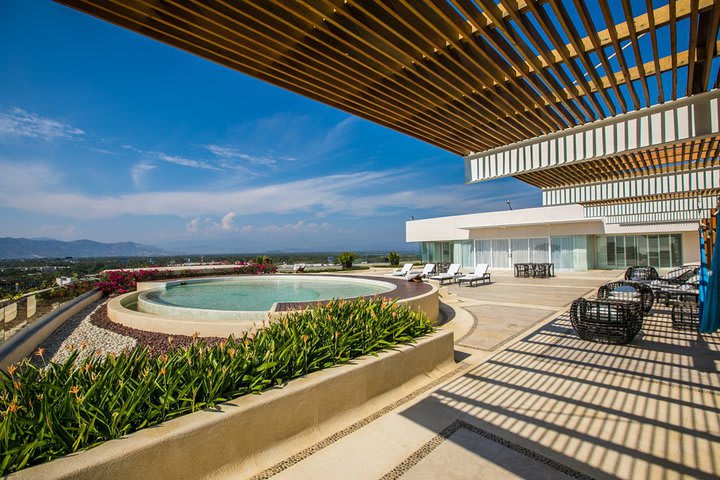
(686, 292)
(403, 271)
(479, 275)
(452, 273)
(680, 275)
(299, 268)
(415, 275)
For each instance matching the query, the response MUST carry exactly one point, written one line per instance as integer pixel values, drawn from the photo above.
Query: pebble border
(436, 441)
(326, 442)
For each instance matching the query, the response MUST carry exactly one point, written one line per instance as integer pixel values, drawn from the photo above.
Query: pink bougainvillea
(115, 282)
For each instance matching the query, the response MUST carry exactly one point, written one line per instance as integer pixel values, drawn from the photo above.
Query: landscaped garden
(50, 410)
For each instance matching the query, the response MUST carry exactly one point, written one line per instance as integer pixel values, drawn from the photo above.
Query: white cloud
(20, 123)
(185, 162)
(138, 172)
(226, 223)
(358, 194)
(231, 154)
(192, 225)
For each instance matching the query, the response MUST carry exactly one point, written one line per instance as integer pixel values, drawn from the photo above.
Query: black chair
(606, 321)
(624, 290)
(639, 272)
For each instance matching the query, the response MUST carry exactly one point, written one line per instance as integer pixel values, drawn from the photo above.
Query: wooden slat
(656, 53)
(618, 51)
(673, 47)
(636, 50)
(692, 44)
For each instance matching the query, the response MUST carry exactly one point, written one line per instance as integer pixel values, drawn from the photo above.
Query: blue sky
(111, 136)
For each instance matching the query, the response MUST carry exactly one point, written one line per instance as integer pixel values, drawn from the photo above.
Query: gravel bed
(79, 333)
(92, 332)
(159, 343)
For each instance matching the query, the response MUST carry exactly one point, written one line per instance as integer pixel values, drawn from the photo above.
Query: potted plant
(393, 258)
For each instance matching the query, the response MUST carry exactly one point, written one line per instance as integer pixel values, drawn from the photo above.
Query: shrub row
(123, 281)
(62, 408)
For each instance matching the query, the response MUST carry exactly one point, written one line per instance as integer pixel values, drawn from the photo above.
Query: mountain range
(11, 248)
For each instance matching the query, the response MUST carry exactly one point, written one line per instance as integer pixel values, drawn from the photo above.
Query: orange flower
(17, 385)
(40, 352)
(83, 346)
(305, 338)
(87, 367)
(12, 369)
(70, 347)
(75, 390)
(231, 352)
(162, 371)
(13, 407)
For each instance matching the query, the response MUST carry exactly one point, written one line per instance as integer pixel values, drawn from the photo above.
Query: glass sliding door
(642, 250)
(464, 253)
(520, 252)
(539, 251)
(483, 251)
(569, 253)
(619, 252)
(664, 251)
(675, 251)
(500, 253)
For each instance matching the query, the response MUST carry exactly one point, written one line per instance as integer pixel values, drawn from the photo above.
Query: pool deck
(529, 399)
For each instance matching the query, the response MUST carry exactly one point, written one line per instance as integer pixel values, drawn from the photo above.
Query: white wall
(524, 223)
(691, 247)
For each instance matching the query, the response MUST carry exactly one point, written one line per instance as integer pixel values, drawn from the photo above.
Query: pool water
(260, 293)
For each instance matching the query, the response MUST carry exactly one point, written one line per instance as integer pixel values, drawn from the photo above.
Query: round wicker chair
(639, 272)
(606, 321)
(628, 291)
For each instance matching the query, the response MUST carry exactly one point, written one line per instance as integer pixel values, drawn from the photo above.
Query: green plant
(393, 258)
(50, 411)
(263, 260)
(346, 259)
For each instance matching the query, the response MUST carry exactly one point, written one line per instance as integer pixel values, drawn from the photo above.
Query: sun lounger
(449, 276)
(415, 275)
(479, 275)
(299, 268)
(403, 271)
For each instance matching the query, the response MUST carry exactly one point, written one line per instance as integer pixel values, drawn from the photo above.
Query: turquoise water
(258, 294)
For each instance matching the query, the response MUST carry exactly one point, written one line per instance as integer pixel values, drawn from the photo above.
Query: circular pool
(250, 298)
(222, 306)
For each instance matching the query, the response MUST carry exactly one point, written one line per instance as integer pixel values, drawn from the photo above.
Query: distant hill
(41, 248)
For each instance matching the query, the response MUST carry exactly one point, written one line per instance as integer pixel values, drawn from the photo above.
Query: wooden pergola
(475, 76)
(464, 75)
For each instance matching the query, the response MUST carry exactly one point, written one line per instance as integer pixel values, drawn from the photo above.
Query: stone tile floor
(532, 400)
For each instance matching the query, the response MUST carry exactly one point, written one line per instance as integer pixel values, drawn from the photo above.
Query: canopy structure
(482, 78)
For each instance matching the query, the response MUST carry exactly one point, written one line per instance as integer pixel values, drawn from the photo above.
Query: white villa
(627, 190)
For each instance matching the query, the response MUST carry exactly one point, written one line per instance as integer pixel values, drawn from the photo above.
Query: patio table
(536, 270)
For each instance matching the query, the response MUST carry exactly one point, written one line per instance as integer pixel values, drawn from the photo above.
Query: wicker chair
(628, 291)
(641, 273)
(606, 321)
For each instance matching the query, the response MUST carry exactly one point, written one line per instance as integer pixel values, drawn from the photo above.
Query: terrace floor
(529, 399)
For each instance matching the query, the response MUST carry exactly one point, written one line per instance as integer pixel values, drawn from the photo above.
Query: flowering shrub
(68, 291)
(47, 412)
(123, 281)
